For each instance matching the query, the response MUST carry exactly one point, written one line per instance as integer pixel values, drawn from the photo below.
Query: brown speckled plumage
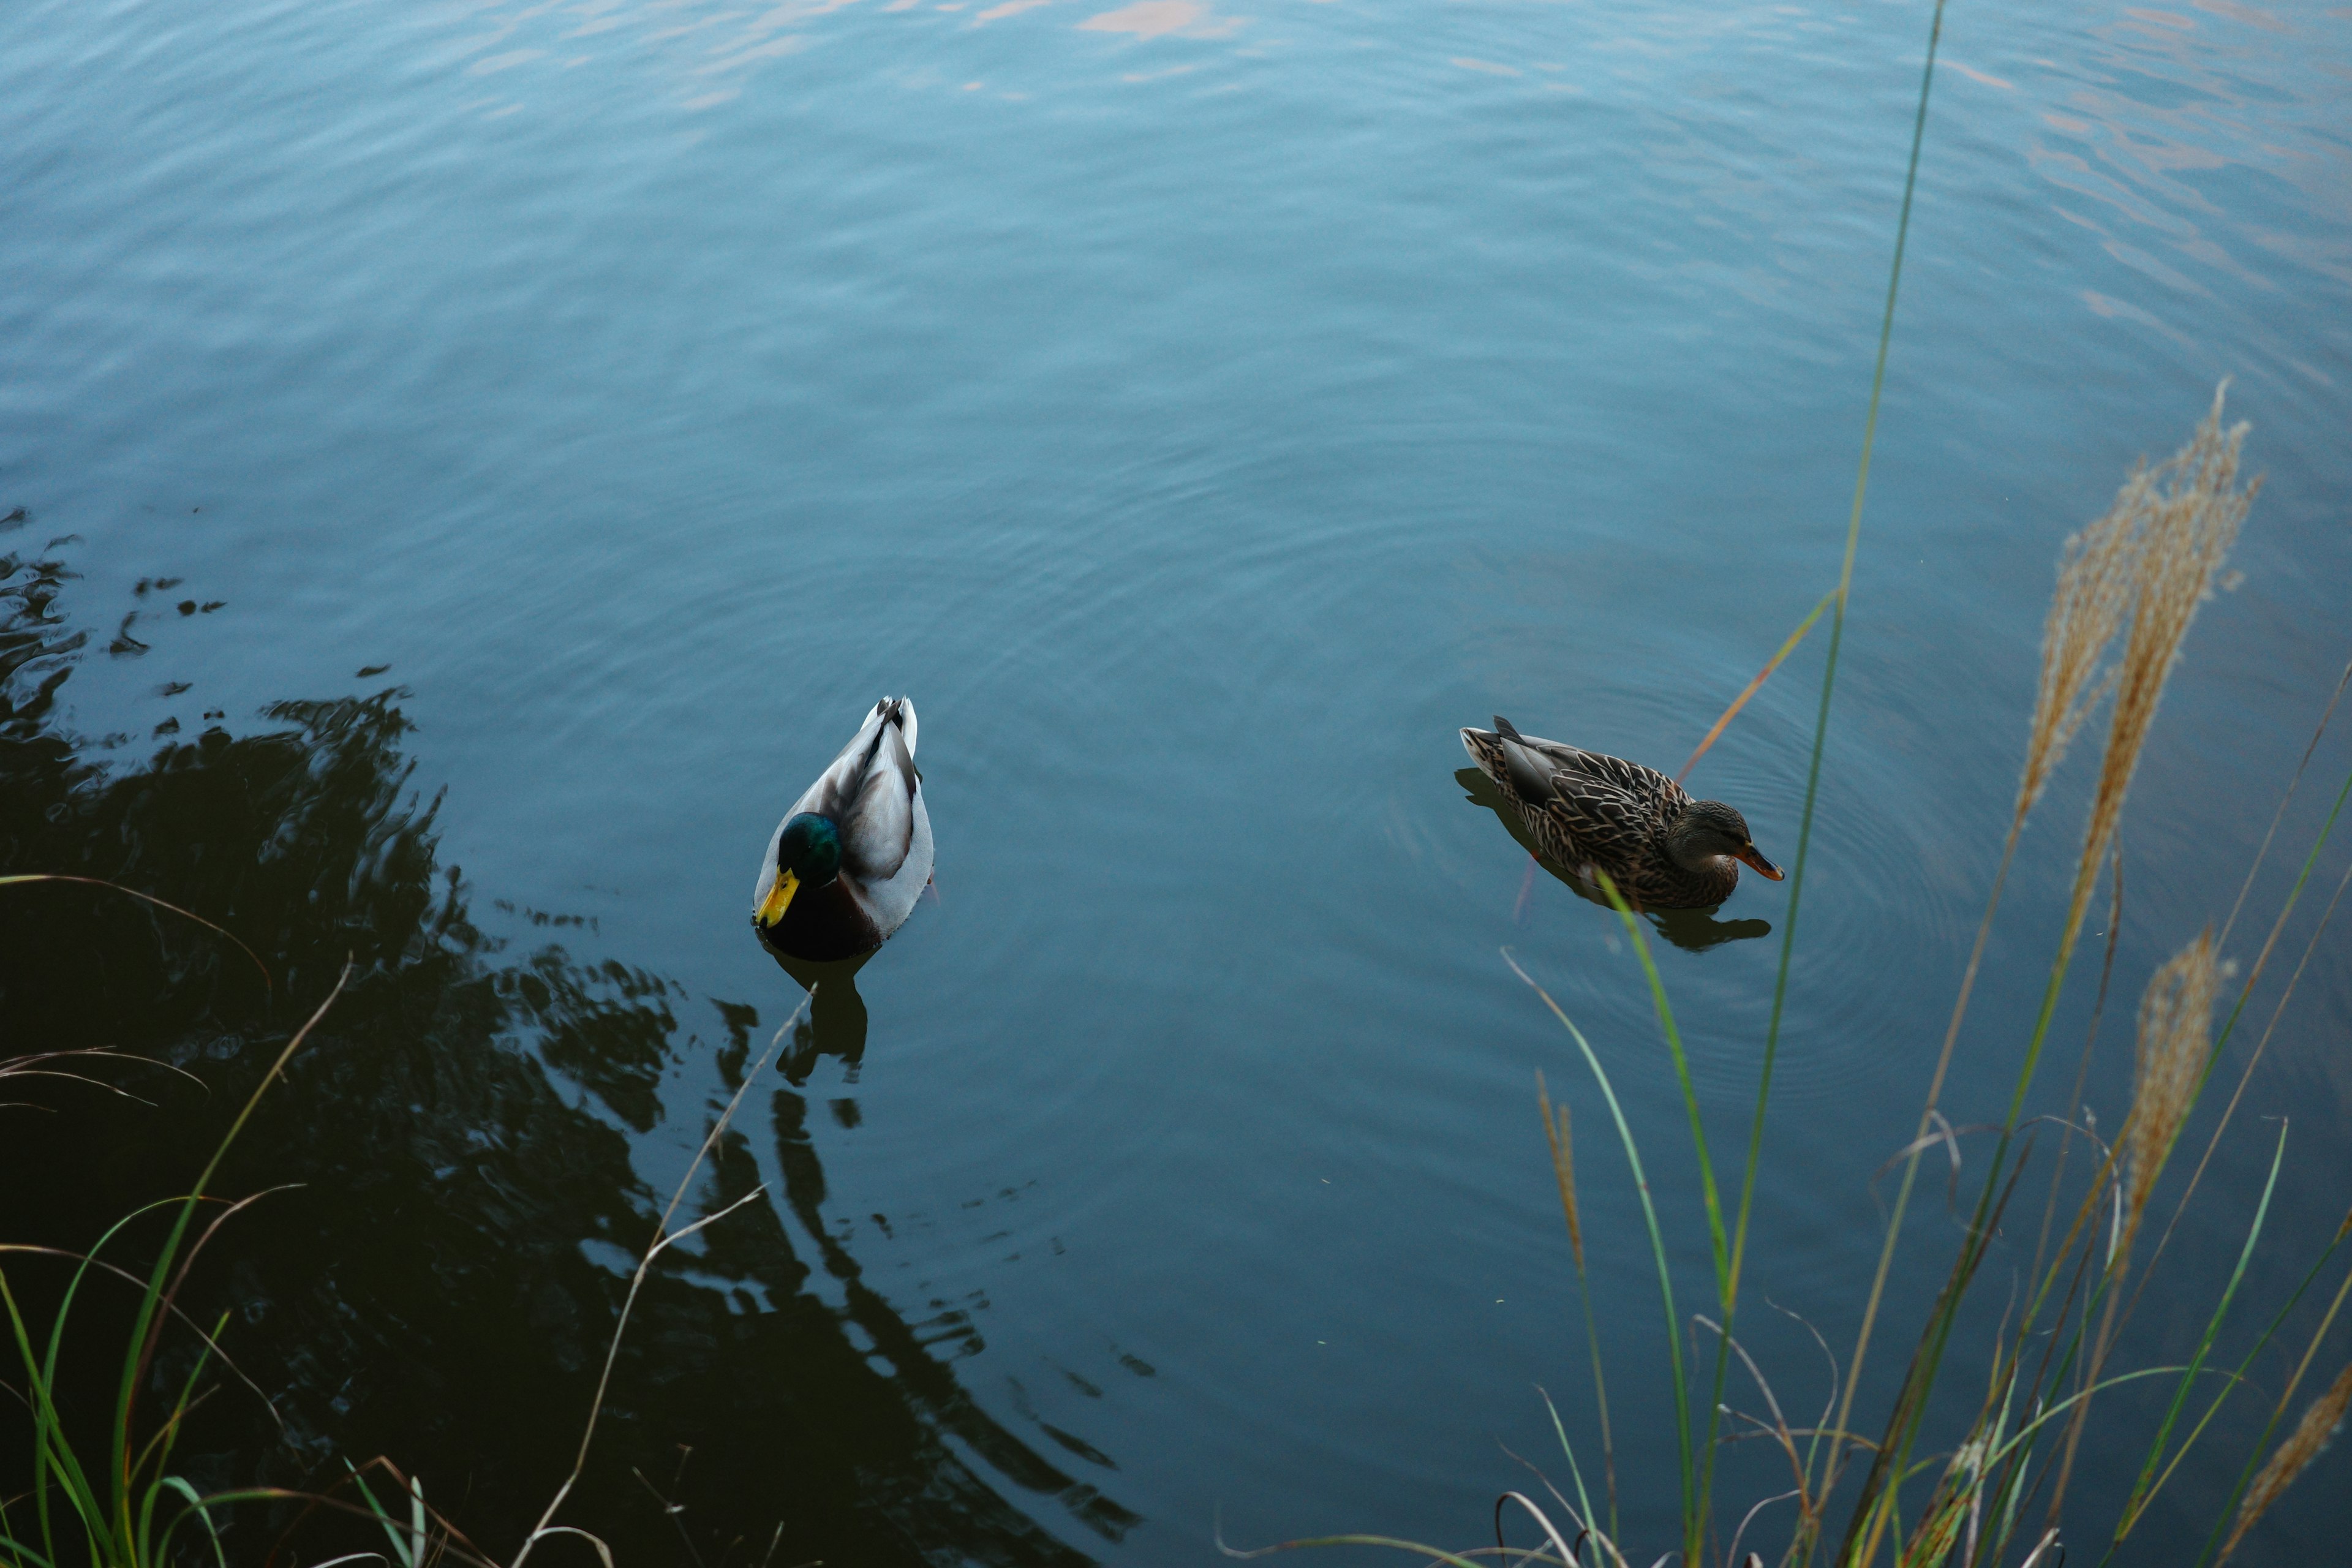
(1587, 811)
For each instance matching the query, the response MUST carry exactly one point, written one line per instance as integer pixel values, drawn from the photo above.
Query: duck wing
(1610, 808)
(877, 827)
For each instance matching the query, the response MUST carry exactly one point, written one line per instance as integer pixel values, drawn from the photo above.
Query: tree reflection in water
(442, 1286)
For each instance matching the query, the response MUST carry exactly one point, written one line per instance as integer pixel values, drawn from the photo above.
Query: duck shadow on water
(1694, 931)
(835, 1025)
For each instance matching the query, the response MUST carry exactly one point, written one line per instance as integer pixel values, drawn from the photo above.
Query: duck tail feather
(1508, 729)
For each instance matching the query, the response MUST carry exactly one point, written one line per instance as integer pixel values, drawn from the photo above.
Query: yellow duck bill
(779, 899)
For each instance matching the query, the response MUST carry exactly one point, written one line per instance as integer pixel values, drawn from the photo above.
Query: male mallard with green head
(853, 855)
(1663, 850)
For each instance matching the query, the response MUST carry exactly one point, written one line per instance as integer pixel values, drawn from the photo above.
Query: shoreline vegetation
(1993, 1491)
(1992, 1488)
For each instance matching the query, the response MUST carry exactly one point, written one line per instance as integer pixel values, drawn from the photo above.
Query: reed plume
(2095, 573)
(2176, 1029)
(2305, 1444)
(2178, 521)
(1563, 1167)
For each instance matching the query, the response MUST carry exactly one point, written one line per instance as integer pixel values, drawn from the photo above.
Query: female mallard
(853, 855)
(1663, 850)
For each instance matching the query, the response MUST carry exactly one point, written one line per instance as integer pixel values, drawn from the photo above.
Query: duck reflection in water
(1694, 929)
(835, 1025)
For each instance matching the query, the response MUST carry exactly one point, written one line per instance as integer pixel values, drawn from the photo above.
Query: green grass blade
(1657, 1239)
(1695, 1528)
(2262, 1443)
(2309, 860)
(1575, 1471)
(2245, 1366)
(147, 1326)
(1802, 860)
(53, 1457)
(2142, 1488)
(1666, 1012)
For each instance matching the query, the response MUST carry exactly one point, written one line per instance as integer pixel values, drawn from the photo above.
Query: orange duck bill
(1752, 858)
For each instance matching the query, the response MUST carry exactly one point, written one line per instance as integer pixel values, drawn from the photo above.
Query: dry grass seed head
(2305, 1444)
(1563, 1166)
(2176, 1028)
(2187, 510)
(2094, 595)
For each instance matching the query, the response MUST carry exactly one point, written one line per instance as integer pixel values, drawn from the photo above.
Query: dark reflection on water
(1694, 929)
(836, 1020)
(442, 1284)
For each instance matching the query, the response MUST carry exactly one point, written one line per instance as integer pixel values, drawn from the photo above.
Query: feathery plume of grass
(2093, 599)
(2189, 509)
(2176, 1022)
(2311, 1434)
(1563, 1165)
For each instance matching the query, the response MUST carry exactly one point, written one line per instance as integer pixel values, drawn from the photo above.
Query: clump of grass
(125, 1510)
(124, 1506)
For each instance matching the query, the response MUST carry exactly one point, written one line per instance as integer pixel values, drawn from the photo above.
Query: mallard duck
(1663, 850)
(853, 855)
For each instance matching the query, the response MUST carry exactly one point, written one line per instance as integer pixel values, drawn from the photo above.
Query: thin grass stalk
(1563, 1164)
(1891, 1464)
(2055, 1366)
(1755, 686)
(2279, 814)
(52, 1452)
(1886, 1517)
(118, 1528)
(1682, 1077)
(2007, 1488)
(2286, 1397)
(1695, 1530)
(1433, 1553)
(1576, 1475)
(269, 987)
(2175, 1024)
(2278, 926)
(2082, 1067)
(1657, 1238)
(663, 1239)
(2246, 1362)
(1829, 685)
(2143, 1487)
(147, 1327)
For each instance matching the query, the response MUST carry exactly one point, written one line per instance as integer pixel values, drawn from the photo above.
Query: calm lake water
(492, 453)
